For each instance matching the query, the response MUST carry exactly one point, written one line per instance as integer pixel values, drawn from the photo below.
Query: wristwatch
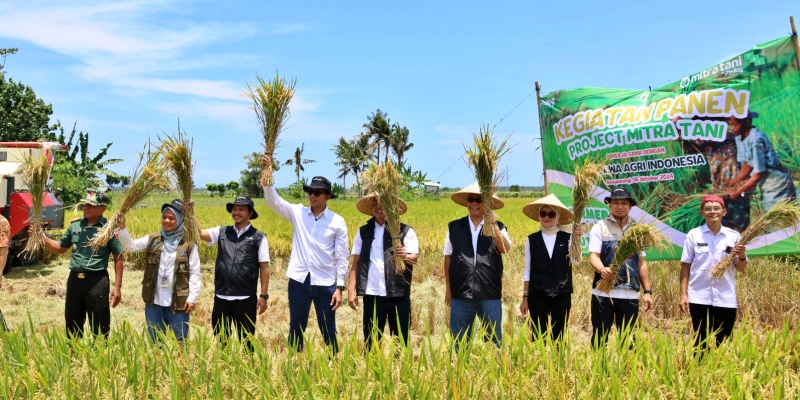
(340, 288)
(648, 291)
(265, 296)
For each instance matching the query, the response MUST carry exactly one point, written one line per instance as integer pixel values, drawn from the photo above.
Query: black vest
(237, 267)
(471, 279)
(550, 276)
(397, 285)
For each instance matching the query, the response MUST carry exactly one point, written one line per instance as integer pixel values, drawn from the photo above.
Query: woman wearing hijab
(547, 272)
(171, 281)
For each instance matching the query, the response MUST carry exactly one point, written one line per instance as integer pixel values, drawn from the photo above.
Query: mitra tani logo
(730, 67)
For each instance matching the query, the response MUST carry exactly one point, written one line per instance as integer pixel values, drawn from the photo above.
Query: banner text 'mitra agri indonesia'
(732, 129)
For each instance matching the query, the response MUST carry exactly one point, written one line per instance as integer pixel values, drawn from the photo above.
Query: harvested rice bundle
(271, 105)
(784, 215)
(35, 172)
(179, 158)
(149, 174)
(587, 175)
(385, 181)
(637, 238)
(483, 157)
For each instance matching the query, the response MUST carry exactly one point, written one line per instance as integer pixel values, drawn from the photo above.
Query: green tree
(233, 186)
(4, 53)
(211, 187)
(221, 189)
(23, 116)
(75, 170)
(353, 156)
(379, 130)
(399, 142)
(125, 180)
(112, 180)
(249, 177)
(298, 161)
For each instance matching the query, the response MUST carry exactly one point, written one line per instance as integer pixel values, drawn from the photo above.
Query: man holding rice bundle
(710, 301)
(171, 281)
(473, 267)
(317, 267)
(242, 260)
(621, 305)
(386, 291)
(88, 284)
(547, 272)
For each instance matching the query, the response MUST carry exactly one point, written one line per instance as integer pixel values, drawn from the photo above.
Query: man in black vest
(473, 267)
(242, 257)
(386, 289)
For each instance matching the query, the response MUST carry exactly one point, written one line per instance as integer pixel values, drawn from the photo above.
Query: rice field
(761, 360)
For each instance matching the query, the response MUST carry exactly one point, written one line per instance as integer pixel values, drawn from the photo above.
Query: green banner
(732, 129)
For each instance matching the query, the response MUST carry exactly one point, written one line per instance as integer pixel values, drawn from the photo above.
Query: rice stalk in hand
(178, 156)
(385, 181)
(150, 174)
(35, 171)
(271, 105)
(784, 215)
(587, 175)
(637, 238)
(483, 158)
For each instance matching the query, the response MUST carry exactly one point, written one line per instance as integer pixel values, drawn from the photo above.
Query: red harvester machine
(16, 202)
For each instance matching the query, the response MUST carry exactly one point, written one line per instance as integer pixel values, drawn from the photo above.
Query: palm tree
(379, 130)
(353, 156)
(399, 142)
(298, 161)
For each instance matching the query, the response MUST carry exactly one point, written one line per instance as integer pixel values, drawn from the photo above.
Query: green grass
(760, 360)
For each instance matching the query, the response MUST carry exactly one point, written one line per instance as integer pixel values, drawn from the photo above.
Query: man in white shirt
(621, 306)
(375, 276)
(242, 258)
(317, 267)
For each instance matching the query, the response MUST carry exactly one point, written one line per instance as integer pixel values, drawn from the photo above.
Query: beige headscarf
(563, 214)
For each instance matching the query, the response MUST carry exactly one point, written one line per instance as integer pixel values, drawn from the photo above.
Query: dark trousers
(379, 309)
(711, 320)
(241, 313)
(301, 295)
(607, 311)
(87, 296)
(557, 308)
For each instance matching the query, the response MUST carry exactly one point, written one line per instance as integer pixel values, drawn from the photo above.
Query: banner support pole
(794, 38)
(541, 140)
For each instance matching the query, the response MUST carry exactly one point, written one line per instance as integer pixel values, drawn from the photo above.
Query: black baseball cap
(243, 201)
(176, 204)
(319, 182)
(620, 193)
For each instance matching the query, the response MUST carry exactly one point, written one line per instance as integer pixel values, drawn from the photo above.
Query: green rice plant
(784, 215)
(148, 175)
(178, 155)
(271, 105)
(385, 181)
(35, 171)
(636, 239)
(588, 174)
(483, 158)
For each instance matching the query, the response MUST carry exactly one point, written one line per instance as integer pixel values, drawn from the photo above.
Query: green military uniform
(88, 285)
(84, 259)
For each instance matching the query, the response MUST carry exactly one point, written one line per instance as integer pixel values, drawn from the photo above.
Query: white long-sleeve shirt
(319, 245)
(166, 267)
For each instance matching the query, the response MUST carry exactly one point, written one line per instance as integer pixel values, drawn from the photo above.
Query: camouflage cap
(95, 197)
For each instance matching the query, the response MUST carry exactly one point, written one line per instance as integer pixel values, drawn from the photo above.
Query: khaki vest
(180, 287)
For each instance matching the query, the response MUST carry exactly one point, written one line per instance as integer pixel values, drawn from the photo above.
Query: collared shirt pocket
(701, 253)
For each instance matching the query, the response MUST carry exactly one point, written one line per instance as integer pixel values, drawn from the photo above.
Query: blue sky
(126, 70)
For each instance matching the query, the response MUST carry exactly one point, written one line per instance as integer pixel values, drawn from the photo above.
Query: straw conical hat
(364, 204)
(460, 197)
(532, 209)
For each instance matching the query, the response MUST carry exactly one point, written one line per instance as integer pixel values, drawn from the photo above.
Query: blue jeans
(159, 318)
(464, 311)
(301, 295)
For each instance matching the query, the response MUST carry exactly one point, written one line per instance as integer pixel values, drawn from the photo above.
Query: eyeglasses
(710, 209)
(478, 200)
(547, 214)
(316, 193)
